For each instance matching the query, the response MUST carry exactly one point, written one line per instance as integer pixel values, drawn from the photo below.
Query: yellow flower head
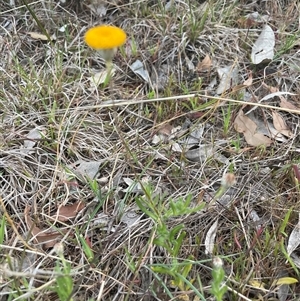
(105, 37)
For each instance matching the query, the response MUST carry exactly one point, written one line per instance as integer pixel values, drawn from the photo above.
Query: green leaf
(284, 280)
(2, 229)
(86, 248)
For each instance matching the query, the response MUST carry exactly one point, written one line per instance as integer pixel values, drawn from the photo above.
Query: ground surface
(81, 171)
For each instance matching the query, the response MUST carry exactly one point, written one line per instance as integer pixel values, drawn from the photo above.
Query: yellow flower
(105, 37)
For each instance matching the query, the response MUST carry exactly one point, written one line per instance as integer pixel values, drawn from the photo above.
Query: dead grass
(46, 86)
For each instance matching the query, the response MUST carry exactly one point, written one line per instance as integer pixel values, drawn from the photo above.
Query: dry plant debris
(112, 163)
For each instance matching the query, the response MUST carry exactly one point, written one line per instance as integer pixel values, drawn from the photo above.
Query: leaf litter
(248, 128)
(263, 48)
(99, 137)
(48, 238)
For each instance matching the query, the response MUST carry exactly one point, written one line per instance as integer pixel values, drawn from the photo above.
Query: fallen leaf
(245, 125)
(228, 76)
(294, 239)
(283, 102)
(98, 7)
(210, 238)
(138, 68)
(287, 105)
(45, 237)
(65, 213)
(39, 36)
(165, 129)
(280, 125)
(257, 139)
(257, 284)
(248, 82)
(284, 280)
(87, 169)
(263, 48)
(266, 128)
(205, 64)
(100, 77)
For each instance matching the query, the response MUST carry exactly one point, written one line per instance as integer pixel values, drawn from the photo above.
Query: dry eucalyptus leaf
(65, 213)
(248, 82)
(33, 136)
(88, 169)
(138, 68)
(165, 129)
(245, 125)
(287, 105)
(133, 186)
(131, 217)
(228, 76)
(195, 136)
(210, 238)
(294, 239)
(40, 36)
(263, 48)
(280, 125)
(266, 128)
(257, 139)
(98, 7)
(205, 64)
(45, 237)
(100, 77)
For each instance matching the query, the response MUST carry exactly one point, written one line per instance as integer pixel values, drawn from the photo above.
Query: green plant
(2, 229)
(64, 282)
(218, 288)
(226, 118)
(171, 239)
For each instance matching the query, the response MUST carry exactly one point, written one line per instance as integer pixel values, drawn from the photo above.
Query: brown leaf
(68, 212)
(165, 129)
(245, 125)
(47, 238)
(248, 82)
(257, 139)
(245, 84)
(283, 102)
(280, 125)
(205, 64)
(286, 104)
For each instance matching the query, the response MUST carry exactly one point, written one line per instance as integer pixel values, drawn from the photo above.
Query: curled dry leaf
(47, 238)
(65, 213)
(210, 238)
(280, 125)
(245, 125)
(248, 82)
